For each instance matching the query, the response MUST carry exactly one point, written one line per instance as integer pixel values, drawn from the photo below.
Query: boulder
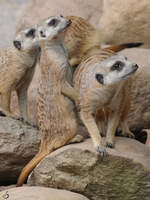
(123, 174)
(39, 193)
(125, 21)
(19, 142)
(88, 9)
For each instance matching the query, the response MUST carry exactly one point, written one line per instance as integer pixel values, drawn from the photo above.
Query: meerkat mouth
(67, 25)
(127, 75)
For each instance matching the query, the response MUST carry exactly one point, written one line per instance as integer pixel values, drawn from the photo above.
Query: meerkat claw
(109, 145)
(101, 151)
(129, 135)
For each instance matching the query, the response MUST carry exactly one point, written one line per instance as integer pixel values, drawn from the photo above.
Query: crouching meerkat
(102, 81)
(17, 64)
(56, 118)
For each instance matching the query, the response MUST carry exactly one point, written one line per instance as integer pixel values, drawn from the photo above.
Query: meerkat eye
(53, 22)
(31, 33)
(117, 66)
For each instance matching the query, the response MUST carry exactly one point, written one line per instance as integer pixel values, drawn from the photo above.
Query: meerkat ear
(100, 78)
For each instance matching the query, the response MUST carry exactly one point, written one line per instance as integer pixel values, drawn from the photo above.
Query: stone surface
(90, 10)
(125, 21)
(123, 174)
(18, 144)
(39, 193)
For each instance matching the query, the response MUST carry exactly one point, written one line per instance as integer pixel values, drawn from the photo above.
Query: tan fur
(16, 70)
(56, 118)
(108, 105)
(80, 37)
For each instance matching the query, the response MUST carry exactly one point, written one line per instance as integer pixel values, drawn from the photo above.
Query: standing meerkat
(56, 117)
(17, 64)
(103, 86)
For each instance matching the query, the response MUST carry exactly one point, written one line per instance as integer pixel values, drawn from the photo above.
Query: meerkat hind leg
(5, 105)
(93, 130)
(77, 139)
(125, 130)
(113, 122)
(22, 99)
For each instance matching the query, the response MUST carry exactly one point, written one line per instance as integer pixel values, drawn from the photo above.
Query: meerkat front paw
(101, 151)
(128, 134)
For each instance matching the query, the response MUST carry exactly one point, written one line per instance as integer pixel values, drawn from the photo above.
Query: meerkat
(56, 117)
(102, 81)
(81, 36)
(17, 64)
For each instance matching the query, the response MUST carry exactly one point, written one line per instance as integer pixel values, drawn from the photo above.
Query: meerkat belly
(56, 112)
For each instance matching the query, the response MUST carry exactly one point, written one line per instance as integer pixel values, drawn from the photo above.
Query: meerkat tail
(29, 167)
(120, 47)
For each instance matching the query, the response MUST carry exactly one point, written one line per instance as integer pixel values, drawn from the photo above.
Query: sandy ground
(10, 11)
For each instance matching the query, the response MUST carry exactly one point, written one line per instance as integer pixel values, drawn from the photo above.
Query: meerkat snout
(42, 34)
(135, 66)
(17, 44)
(53, 27)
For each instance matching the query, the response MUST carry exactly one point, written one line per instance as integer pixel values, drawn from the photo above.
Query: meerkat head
(115, 69)
(27, 39)
(53, 28)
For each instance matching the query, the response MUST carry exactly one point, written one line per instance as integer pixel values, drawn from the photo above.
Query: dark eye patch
(53, 22)
(118, 66)
(31, 33)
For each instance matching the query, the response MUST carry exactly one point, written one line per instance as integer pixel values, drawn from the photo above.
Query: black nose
(17, 44)
(42, 34)
(69, 22)
(135, 66)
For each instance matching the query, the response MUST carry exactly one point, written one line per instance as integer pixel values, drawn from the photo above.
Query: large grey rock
(124, 174)
(18, 144)
(125, 21)
(39, 193)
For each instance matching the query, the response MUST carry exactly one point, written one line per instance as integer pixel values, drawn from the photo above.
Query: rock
(88, 9)
(125, 21)
(18, 144)
(40, 193)
(123, 174)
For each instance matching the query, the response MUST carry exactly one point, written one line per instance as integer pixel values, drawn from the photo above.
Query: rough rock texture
(125, 21)
(90, 10)
(39, 193)
(123, 174)
(18, 144)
